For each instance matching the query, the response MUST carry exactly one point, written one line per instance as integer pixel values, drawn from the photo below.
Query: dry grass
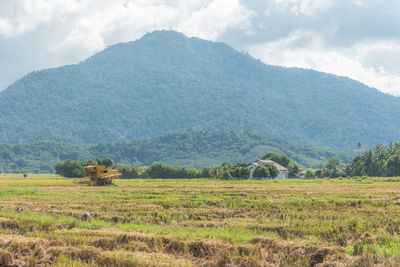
(351, 222)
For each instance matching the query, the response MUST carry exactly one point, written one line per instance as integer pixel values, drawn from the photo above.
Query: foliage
(319, 173)
(160, 170)
(166, 81)
(227, 171)
(272, 169)
(381, 161)
(39, 156)
(268, 170)
(334, 168)
(240, 172)
(205, 172)
(128, 171)
(195, 149)
(309, 174)
(70, 169)
(106, 162)
(261, 171)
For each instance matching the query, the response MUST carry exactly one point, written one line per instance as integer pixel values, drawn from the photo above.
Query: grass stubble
(322, 222)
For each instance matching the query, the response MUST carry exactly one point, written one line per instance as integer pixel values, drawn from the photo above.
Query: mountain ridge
(166, 81)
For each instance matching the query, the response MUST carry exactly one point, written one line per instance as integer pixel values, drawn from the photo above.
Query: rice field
(171, 222)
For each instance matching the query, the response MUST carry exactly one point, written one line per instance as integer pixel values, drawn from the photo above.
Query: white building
(283, 172)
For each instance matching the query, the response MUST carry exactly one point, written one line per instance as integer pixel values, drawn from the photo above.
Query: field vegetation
(199, 222)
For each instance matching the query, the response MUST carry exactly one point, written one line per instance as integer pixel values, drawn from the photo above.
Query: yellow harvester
(100, 175)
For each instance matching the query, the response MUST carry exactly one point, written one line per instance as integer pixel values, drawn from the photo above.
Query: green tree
(70, 169)
(125, 170)
(333, 163)
(226, 175)
(272, 169)
(335, 167)
(261, 171)
(205, 173)
(88, 162)
(380, 161)
(241, 164)
(319, 173)
(156, 170)
(393, 165)
(128, 171)
(309, 174)
(106, 162)
(240, 172)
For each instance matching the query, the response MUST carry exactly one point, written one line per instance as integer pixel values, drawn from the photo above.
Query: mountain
(166, 81)
(186, 148)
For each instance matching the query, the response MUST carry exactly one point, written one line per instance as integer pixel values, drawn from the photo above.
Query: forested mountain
(186, 148)
(165, 81)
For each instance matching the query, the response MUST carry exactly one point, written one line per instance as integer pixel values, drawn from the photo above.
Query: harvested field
(348, 222)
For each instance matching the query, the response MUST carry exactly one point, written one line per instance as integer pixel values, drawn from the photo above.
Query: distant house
(283, 172)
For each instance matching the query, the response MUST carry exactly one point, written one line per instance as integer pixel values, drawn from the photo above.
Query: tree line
(380, 161)
(225, 171)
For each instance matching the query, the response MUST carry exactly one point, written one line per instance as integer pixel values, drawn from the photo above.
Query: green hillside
(165, 81)
(186, 148)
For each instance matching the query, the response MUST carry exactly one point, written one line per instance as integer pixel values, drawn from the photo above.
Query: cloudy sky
(355, 38)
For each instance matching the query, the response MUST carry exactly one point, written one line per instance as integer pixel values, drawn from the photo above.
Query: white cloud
(28, 15)
(381, 54)
(304, 7)
(315, 56)
(215, 18)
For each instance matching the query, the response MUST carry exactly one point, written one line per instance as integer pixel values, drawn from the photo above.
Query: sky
(359, 39)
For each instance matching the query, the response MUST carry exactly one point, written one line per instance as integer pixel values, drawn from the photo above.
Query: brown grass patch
(137, 249)
(105, 243)
(9, 224)
(205, 249)
(30, 251)
(5, 258)
(86, 253)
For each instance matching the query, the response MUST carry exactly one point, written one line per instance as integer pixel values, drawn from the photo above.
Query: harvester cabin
(96, 170)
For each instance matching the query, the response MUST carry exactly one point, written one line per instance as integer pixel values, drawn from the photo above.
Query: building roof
(264, 161)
